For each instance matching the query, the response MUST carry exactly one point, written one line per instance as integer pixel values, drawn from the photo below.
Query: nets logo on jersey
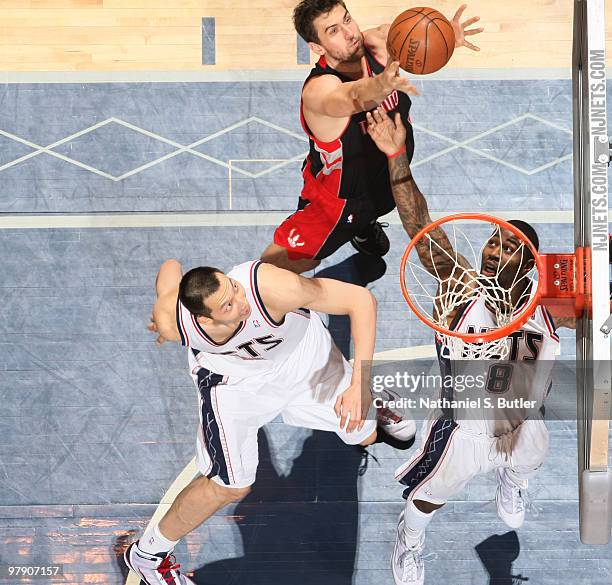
(525, 344)
(253, 349)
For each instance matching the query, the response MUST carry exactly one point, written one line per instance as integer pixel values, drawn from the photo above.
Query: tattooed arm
(436, 251)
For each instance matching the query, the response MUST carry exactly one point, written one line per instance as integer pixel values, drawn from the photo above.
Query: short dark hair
(196, 286)
(528, 230)
(305, 13)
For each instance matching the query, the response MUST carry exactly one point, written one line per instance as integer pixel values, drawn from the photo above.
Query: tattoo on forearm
(437, 255)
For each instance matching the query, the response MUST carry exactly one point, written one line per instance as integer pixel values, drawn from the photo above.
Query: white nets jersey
(526, 374)
(258, 345)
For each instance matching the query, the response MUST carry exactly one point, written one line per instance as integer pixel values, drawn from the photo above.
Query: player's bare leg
(277, 255)
(151, 556)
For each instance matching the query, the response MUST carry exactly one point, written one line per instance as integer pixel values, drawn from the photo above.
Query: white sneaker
(154, 569)
(401, 428)
(510, 499)
(407, 562)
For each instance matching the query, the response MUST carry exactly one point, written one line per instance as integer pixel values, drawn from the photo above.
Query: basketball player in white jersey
(257, 349)
(456, 449)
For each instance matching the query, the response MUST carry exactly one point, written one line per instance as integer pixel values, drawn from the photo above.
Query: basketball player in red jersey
(346, 179)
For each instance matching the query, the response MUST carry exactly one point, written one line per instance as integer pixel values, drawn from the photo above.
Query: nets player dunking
(455, 449)
(346, 180)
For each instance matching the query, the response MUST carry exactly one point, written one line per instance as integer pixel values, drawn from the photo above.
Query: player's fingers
(470, 21)
(407, 87)
(470, 46)
(377, 116)
(383, 114)
(398, 120)
(370, 120)
(392, 68)
(473, 31)
(338, 406)
(343, 420)
(355, 418)
(459, 12)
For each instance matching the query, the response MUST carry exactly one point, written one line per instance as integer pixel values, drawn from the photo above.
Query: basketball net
(510, 295)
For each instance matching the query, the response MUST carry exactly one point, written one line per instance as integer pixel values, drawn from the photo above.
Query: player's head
(505, 257)
(329, 29)
(213, 297)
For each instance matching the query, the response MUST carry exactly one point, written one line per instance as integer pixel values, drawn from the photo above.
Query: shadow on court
(497, 553)
(356, 269)
(301, 528)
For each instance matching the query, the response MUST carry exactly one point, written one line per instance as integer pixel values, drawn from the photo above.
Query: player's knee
(272, 252)
(230, 495)
(277, 255)
(426, 507)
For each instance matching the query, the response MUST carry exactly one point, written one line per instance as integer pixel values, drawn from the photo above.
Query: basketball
(422, 40)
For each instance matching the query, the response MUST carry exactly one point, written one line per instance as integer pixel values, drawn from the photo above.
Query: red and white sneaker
(155, 569)
(394, 429)
(400, 428)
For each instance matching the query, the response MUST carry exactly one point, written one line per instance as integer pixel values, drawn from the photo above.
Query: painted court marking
(233, 219)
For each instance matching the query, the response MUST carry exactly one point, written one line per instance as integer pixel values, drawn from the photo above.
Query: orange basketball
(421, 39)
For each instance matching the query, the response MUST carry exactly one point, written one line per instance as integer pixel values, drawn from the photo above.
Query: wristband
(402, 150)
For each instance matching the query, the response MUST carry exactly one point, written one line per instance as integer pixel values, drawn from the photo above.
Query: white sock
(520, 477)
(154, 542)
(415, 523)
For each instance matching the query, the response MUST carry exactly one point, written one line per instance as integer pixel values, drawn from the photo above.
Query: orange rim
(495, 334)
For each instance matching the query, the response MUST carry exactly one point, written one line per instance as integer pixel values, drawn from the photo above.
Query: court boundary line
(254, 75)
(222, 219)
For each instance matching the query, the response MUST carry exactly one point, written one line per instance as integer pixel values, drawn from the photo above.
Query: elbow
(170, 263)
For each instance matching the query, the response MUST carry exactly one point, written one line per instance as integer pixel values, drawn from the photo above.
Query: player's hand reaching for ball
(388, 135)
(461, 29)
(390, 79)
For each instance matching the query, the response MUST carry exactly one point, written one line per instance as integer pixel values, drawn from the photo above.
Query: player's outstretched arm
(283, 291)
(440, 258)
(326, 95)
(163, 321)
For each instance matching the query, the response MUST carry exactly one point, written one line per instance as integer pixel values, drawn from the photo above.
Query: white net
(444, 280)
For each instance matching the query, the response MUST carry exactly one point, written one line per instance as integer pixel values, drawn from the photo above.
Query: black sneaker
(373, 241)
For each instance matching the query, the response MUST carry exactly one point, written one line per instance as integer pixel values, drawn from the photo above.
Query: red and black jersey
(352, 166)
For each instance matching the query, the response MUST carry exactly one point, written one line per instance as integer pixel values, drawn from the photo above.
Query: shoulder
(318, 86)
(376, 36)
(280, 289)
(375, 40)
